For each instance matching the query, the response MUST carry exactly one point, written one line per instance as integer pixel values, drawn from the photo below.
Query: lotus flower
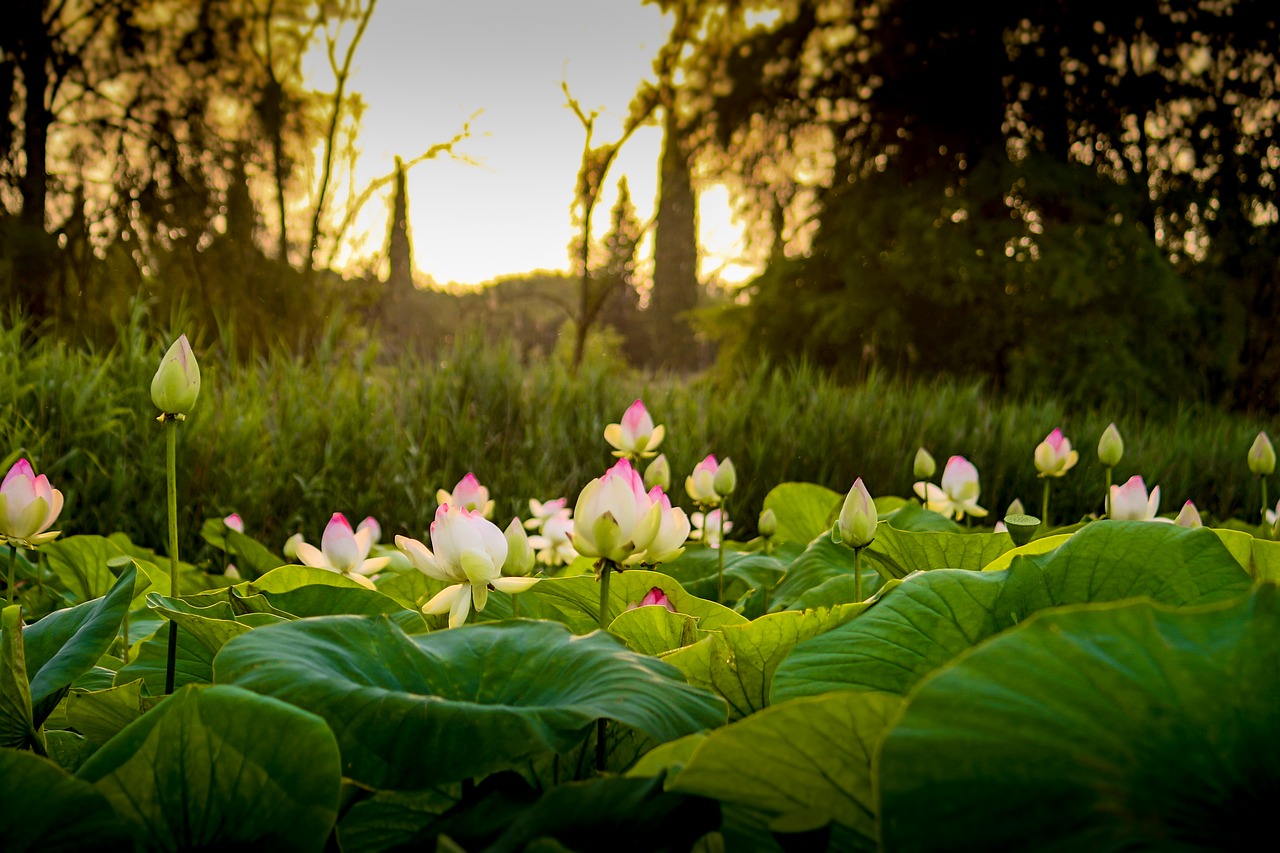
(291, 546)
(1262, 456)
(1130, 502)
(673, 530)
(615, 519)
(28, 507)
(635, 437)
(234, 522)
(540, 512)
(344, 551)
(554, 545)
(468, 495)
(1110, 447)
(375, 529)
(469, 554)
(1189, 516)
(706, 527)
(1054, 456)
(176, 385)
(959, 492)
(856, 526)
(654, 597)
(711, 482)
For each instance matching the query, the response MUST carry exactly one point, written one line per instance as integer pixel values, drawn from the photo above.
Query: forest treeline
(1059, 196)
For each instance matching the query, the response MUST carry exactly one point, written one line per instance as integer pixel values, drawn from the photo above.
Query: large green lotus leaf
(416, 711)
(1265, 560)
(305, 591)
(806, 756)
(80, 563)
(913, 517)
(100, 714)
(218, 767)
(18, 729)
(697, 571)
(1043, 545)
(387, 820)
(1239, 543)
(575, 601)
(823, 573)
(194, 664)
(738, 663)
(901, 552)
(211, 625)
(43, 809)
(803, 510)
(934, 616)
(669, 756)
(1109, 727)
(66, 644)
(653, 629)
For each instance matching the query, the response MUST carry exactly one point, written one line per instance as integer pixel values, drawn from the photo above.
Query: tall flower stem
(171, 482)
(13, 560)
(606, 569)
(1106, 496)
(1263, 514)
(720, 552)
(857, 574)
(1044, 505)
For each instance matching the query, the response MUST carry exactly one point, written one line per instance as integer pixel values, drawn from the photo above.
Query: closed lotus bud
(1189, 516)
(291, 546)
(375, 529)
(1110, 447)
(1262, 456)
(234, 522)
(1016, 508)
(857, 524)
(726, 479)
(658, 473)
(520, 556)
(924, 467)
(1054, 456)
(176, 385)
(768, 524)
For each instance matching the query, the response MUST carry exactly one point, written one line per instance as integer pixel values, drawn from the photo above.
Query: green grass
(287, 442)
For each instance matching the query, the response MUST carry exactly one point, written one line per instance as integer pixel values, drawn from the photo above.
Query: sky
(426, 67)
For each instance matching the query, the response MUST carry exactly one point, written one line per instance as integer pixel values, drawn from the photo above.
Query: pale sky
(426, 66)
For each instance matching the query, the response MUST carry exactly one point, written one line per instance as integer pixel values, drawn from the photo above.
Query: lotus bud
(856, 526)
(701, 484)
(658, 473)
(654, 596)
(520, 556)
(176, 385)
(1054, 456)
(635, 437)
(924, 467)
(768, 524)
(726, 479)
(1262, 456)
(1189, 516)
(1110, 447)
(1016, 508)
(375, 529)
(291, 546)
(234, 522)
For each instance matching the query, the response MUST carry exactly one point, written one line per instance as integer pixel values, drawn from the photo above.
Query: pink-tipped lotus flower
(615, 519)
(711, 481)
(468, 495)
(654, 597)
(706, 527)
(959, 492)
(1130, 502)
(1054, 456)
(554, 544)
(344, 551)
(1189, 516)
(234, 522)
(539, 512)
(375, 529)
(673, 530)
(469, 554)
(28, 507)
(635, 437)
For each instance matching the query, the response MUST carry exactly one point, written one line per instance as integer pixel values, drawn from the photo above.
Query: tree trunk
(399, 246)
(675, 249)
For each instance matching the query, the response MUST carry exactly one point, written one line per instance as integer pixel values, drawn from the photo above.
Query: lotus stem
(1106, 496)
(720, 556)
(857, 573)
(13, 560)
(1044, 505)
(171, 481)
(606, 569)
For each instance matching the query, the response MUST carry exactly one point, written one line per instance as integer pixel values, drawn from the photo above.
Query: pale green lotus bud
(291, 546)
(925, 467)
(1110, 447)
(768, 524)
(726, 479)
(1016, 508)
(520, 556)
(1262, 456)
(176, 385)
(857, 524)
(658, 473)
